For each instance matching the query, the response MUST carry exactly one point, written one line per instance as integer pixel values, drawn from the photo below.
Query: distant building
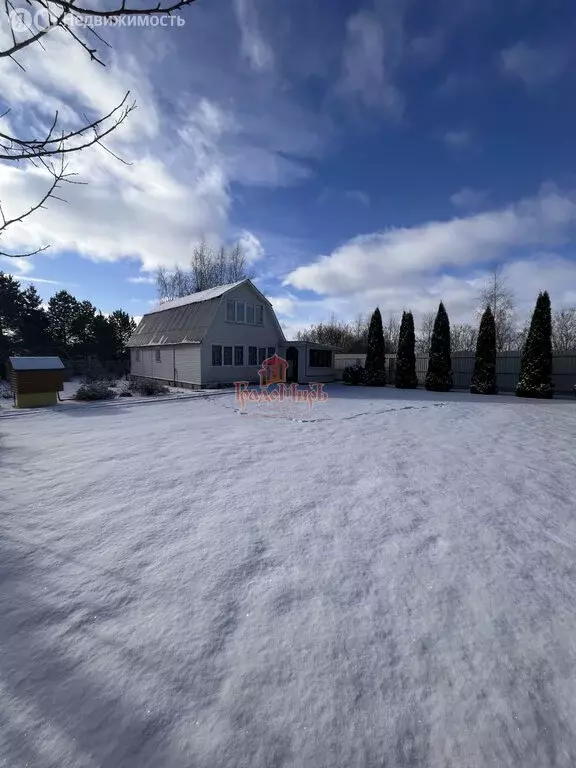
(219, 336)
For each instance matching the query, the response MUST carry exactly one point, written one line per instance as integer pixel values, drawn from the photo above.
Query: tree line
(209, 268)
(535, 379)
(66, 326)
(511, 335)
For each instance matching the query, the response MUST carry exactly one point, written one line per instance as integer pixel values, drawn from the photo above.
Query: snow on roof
(194, 298)
(36, 363)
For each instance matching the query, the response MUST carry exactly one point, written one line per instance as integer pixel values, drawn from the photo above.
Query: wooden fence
(507, 369)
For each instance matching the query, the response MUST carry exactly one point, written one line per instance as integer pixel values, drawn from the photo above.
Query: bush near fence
(507, 369)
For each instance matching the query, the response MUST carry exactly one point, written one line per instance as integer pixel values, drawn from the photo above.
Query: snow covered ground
(389, 581)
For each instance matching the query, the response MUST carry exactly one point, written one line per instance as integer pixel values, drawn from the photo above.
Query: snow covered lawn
(392, 583)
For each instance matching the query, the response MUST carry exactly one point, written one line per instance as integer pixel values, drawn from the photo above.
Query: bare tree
(391, 333)
(208, 268)
(564, 330)
(463, 337)
(500, 297)
(424, 335)
(29, 26)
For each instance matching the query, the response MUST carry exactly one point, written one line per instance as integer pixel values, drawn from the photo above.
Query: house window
(227, 355)
(320, 358)
(216, 354)
(259, 314)
(261, 355)
(231, 310)
(137, 356)
(250, 313)
(270, 351)
(252, 355)
(240, 312)
(158, 356)
(238, 355)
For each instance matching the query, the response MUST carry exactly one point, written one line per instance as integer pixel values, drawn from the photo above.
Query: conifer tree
(484, 375)
(375, 355)
(536, 367)
(406, 357)
(439, 374)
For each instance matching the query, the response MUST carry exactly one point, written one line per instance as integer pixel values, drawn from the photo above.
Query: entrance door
(292, 360)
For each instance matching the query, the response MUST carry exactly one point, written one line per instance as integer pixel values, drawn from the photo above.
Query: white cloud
(458, 139)
(28, 279)
(142, 279)
(396, 257)
(469, 199)
(283, 305)
(359, 196)
(177, 188)
(370, 58)
(533, 65)
(251, 246)
(254, 48)
(24, 266)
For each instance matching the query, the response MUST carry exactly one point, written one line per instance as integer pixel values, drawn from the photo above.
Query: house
(219, 336)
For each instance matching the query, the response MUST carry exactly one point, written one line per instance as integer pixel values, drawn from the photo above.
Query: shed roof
(36, 363)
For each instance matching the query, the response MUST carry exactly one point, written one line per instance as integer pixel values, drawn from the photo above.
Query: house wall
(188, 364)
(230, 333)
(178, 363)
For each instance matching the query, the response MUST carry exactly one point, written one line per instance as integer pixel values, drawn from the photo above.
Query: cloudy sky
(383, 152)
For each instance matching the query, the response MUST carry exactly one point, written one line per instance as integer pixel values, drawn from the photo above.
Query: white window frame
(250, 307)
(231, 363)
(243, 305)
(158, 355)
(259, 314)
(231, 302)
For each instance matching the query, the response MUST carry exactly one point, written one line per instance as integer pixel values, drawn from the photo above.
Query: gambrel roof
(185, 320)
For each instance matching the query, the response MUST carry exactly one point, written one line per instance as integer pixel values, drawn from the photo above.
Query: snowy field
(391, 582)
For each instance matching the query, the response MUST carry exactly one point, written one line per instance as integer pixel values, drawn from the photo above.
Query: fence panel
(507, 369)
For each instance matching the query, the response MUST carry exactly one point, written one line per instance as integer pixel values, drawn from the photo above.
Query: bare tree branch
(57, 143)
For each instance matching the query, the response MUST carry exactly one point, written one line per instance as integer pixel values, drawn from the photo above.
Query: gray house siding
(188, 364)
(144, 362)
(231, 333)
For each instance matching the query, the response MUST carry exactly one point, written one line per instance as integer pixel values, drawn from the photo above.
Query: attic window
(240, 312)
(231, 310)
(259, 314)
(250, 314)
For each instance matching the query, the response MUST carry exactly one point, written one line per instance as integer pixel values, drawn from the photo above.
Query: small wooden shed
(36, 381)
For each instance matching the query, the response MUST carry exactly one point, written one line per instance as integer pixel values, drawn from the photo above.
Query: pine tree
(406, 358)
(375, 355)
(536, 367)
(484, 375)
(439, 374)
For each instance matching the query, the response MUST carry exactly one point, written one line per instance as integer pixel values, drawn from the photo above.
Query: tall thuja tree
(406, 357)
(536, 367)
(375, 355)
(439, 374)
(484, 375)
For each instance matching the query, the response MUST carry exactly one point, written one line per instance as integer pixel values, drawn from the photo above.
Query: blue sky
(364, 153)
